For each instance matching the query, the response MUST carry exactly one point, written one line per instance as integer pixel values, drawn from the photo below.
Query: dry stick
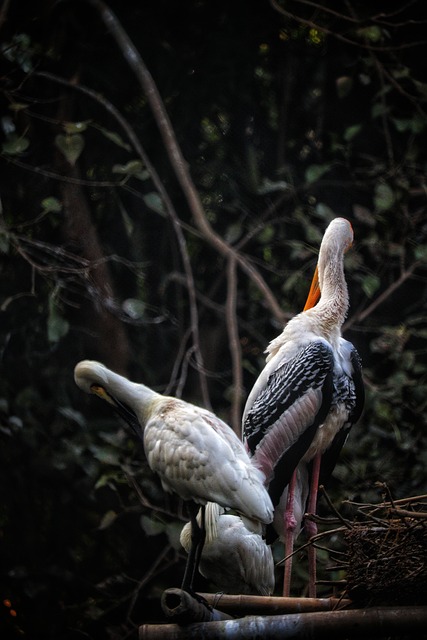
(243, 605)
(359, 317)
(341, 518)
(312, 541)
(174, 152)
(57, 176)
(134, 140)
(235, 347)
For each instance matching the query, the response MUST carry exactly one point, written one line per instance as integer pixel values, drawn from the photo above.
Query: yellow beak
(314, 293)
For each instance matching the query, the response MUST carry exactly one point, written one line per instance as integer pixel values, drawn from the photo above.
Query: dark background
(287, 115)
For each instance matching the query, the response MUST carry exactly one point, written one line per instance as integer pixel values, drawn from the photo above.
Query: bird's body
(310, 392)
(235, 557)
(196, 455)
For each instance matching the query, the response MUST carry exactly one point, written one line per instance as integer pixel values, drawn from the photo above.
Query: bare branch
(359, 317)
(174, 152)
(134, 140)
(338, 36)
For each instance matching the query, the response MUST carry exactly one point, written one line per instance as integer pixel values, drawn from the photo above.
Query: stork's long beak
(121, 409)
(103, 394)
(314, 293)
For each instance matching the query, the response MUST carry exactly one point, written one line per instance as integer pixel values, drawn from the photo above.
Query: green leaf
(420, 252)
(344, 85)
(173, 531)
(384, 197)
(131, 168)
(51, 205)
(134, 308)
(267, 234)
(152, 527)
(15, 145)
(316, 171)
(105, 454)
(351, 132)
(107, 520)
(364, 215)
(114, 137)
(370, 284)
(324, 212)
(269, 186)
(371, 33)
(4, 242)
(57, 326)
(71, 128)
(71, 146)
(379, 109)
(18, 106)
(154, 202)
(417, 124)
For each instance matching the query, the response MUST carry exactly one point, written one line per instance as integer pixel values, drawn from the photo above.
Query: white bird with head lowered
(196, 455)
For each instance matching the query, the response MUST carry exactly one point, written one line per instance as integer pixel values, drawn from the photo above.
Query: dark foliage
(287, 114)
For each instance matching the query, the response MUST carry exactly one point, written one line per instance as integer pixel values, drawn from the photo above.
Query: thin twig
(341, 38)
(359, 317)
(345, 522)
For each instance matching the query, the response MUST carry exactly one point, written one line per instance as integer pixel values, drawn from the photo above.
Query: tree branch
(178, 162)
(134, 140)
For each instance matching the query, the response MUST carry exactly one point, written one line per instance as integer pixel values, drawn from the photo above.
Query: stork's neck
(135, 395)
(332, 307)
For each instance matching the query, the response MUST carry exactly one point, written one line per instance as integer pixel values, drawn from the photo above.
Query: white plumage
(196, 455)
(235, 557)
(310, 392)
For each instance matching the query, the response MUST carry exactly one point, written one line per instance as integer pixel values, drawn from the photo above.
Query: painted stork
(195, 454)
(235, 556)
(304, 402)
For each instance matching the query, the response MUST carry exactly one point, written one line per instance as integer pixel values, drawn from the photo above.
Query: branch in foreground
(376, 623)
(243, 605)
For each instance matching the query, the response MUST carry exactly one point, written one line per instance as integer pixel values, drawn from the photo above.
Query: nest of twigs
(385, 551)
(388, 563)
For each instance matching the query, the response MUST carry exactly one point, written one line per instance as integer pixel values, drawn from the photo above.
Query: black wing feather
(330, 456)
(309, 369)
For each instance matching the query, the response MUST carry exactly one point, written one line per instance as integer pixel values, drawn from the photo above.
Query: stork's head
(337, 239)
(338, 236)
(92, 377)
(124, 396)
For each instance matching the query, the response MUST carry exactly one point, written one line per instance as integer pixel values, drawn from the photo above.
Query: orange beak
(314, 293)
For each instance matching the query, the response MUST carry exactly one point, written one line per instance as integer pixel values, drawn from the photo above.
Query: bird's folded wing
(286, 413)
(193, 461)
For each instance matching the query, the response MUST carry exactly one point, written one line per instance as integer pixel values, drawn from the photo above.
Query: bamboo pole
(324, 625)
(244, 605)
(180, 606)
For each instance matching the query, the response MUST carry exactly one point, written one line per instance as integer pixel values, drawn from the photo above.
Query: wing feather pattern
(283, 419)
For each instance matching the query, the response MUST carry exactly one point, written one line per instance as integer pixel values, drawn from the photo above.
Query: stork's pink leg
(311, 527)
(290, 524)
